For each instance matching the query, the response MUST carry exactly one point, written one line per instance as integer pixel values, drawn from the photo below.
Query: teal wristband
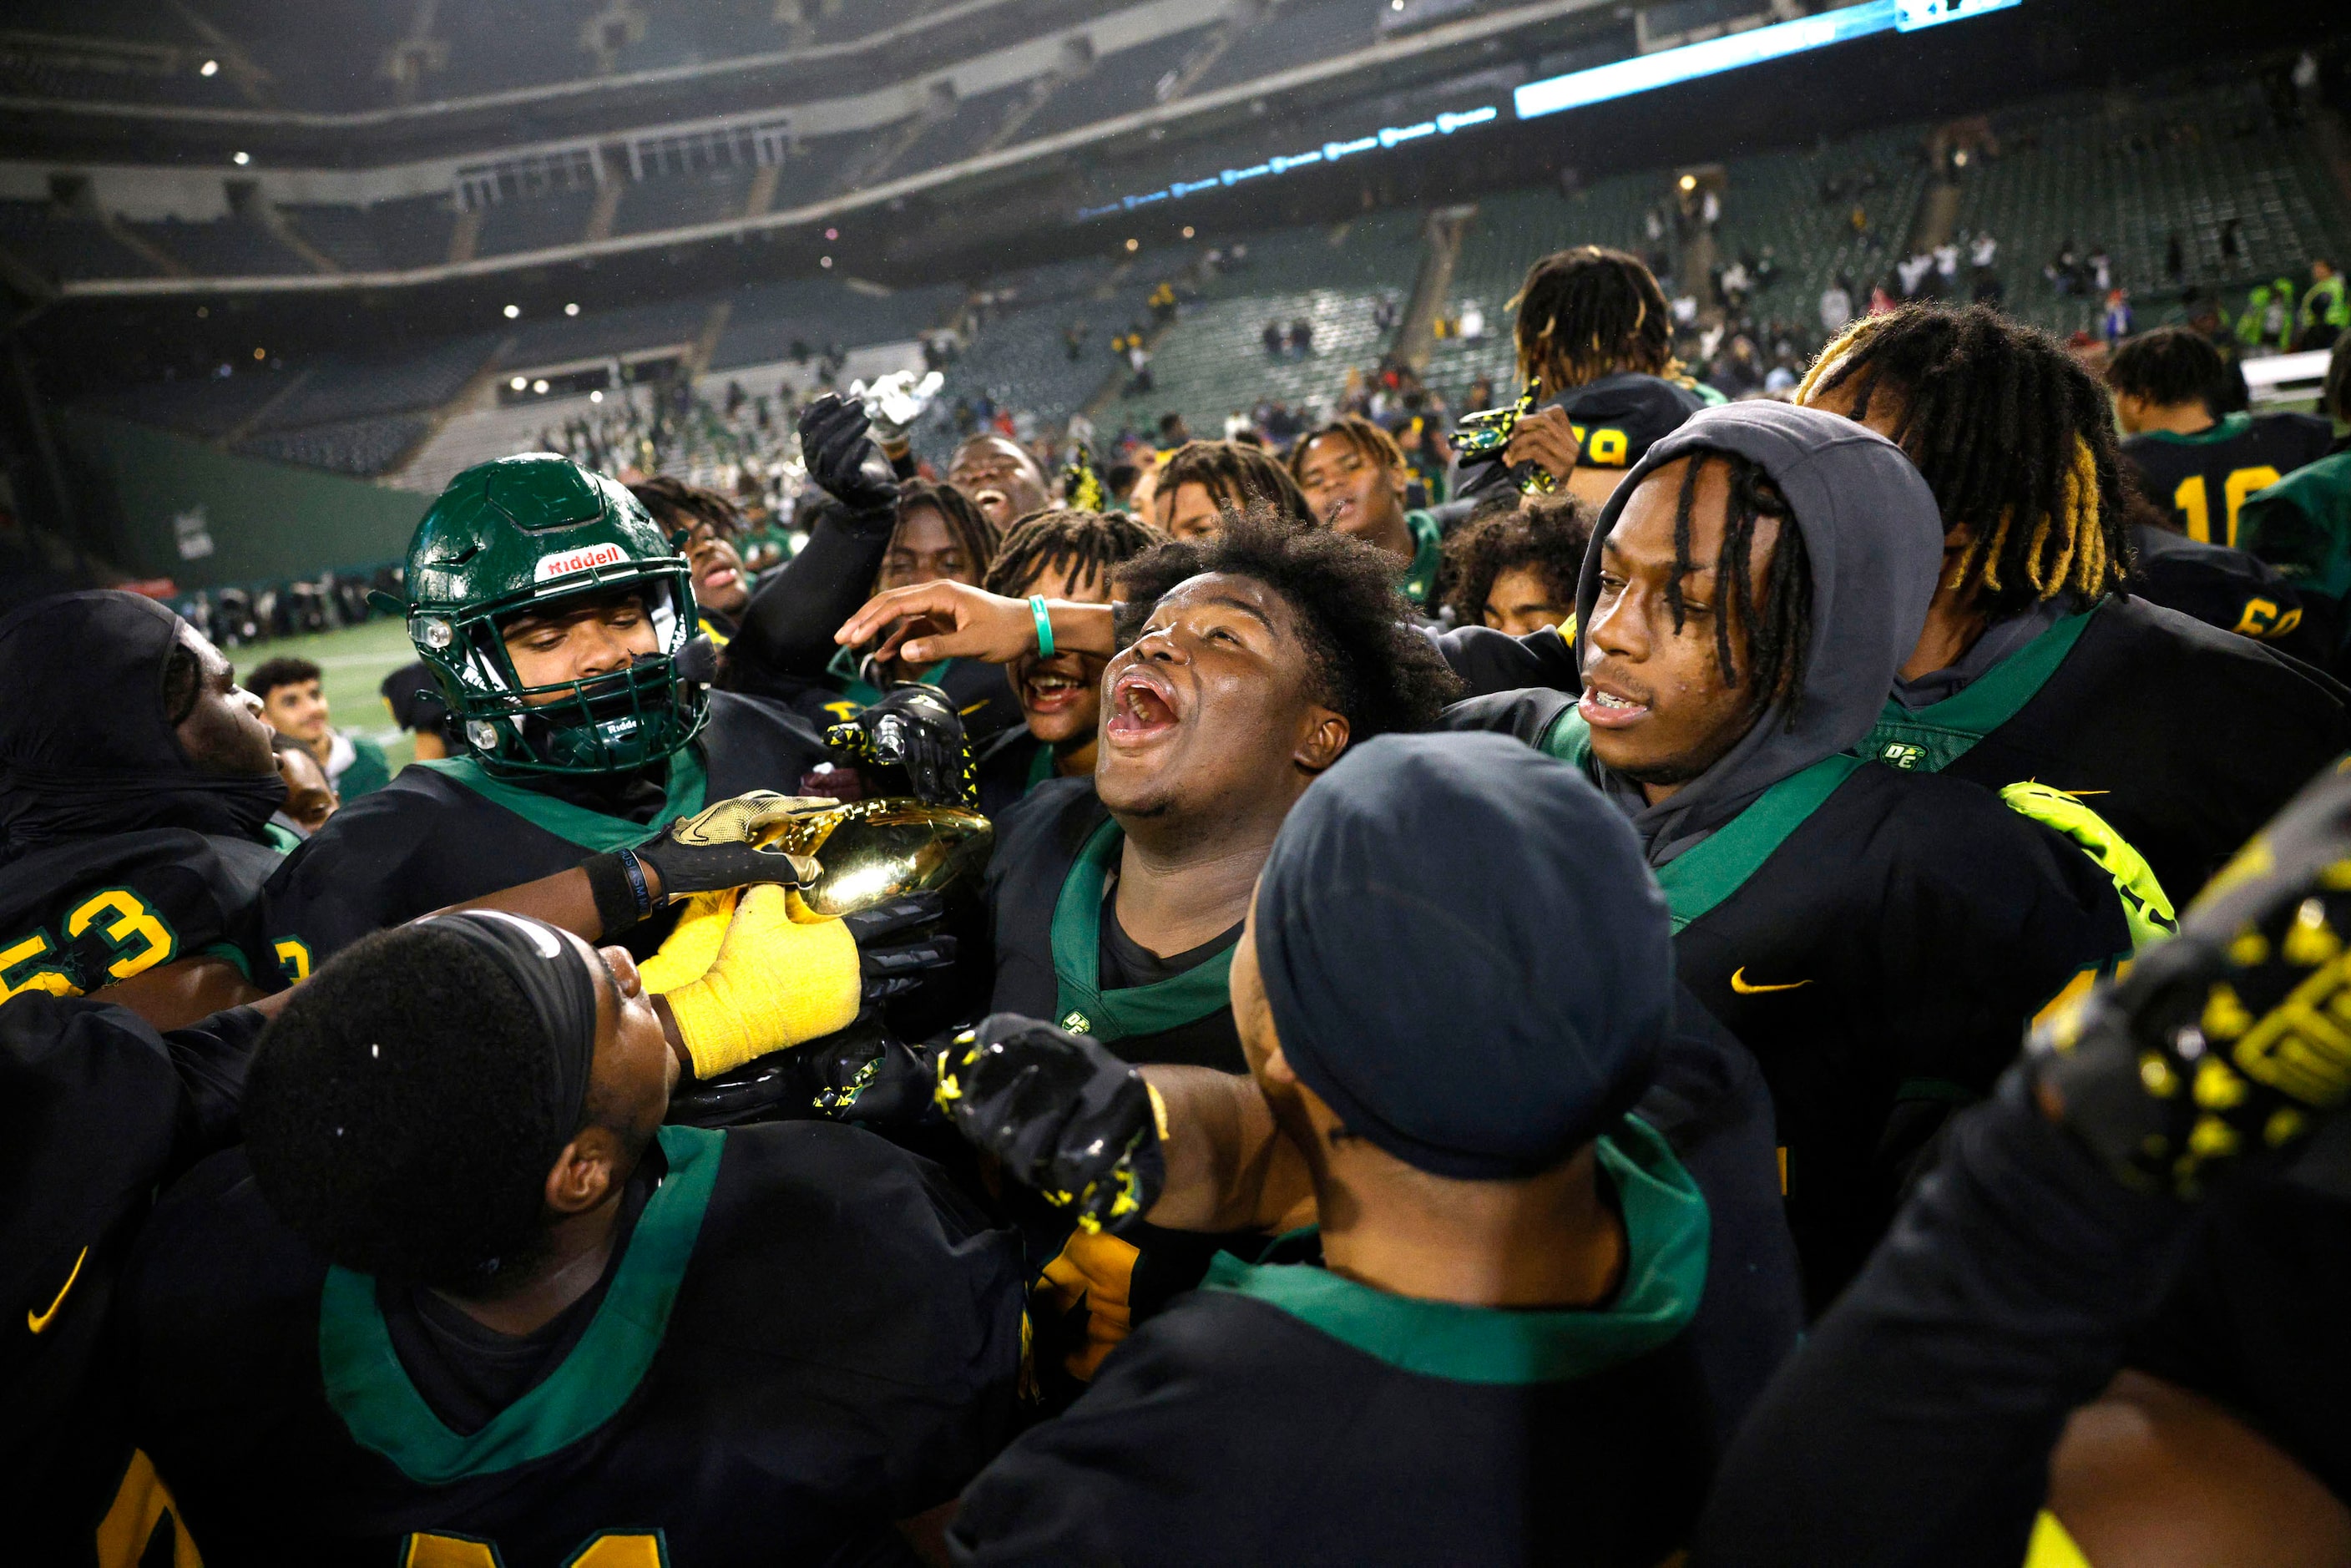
(1044, 626)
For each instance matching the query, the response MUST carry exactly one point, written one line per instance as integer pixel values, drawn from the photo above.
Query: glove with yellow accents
(916, 728)
(2231, 1043)
(1065, 1116)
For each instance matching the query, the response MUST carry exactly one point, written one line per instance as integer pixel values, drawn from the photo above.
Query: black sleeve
(1526, 716)
(211, 1056)
(788, 627)
(1915, 1427)
(1488, 660)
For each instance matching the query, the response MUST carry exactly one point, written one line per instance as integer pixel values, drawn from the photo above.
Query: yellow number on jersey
(293, 957)
(23, 951)
(2194, 499)
(132, 922)
(1604, 447)
(605, 1549)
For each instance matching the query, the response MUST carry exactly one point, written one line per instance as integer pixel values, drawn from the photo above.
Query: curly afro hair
(1544, 534)
(1370, 665)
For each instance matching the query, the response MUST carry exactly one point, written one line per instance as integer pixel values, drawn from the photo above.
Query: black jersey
(2185, 738)
(81, 915)
(97, 1110)
(1285, 1415)
(447, 831)
(1060, 956)
(1008, 767)
(2203, 479)
(1616, 418)
(1488, 660)
(807, 1335)
(2254, 1319)
(2224, 587)
(1879, 940)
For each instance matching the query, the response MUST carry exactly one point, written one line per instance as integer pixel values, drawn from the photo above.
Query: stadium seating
(365, 447)
(204, 406)
(535, 222)
(765, 321)
(562, 340)
(960, 132)
(1213, 361)
(679, 200)
(414, 231)
(1776, 201)
(342, 234)
(61, 246)
(1294, 34)
(340, 388)
(1121, 83)
(2126, 176)
(223, 248)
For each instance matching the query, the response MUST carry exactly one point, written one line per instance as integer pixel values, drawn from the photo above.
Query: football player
(1355, 479)
(2198, 467)
(1878, 939)
(461, 1297)
(1595, 330)
(2031, 665)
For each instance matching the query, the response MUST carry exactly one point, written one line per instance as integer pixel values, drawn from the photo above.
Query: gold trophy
(869, 851)
(1486, 432)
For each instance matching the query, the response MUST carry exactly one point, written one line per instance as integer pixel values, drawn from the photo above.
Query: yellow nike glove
(774, 984)
(2146, 907)
(693, 944)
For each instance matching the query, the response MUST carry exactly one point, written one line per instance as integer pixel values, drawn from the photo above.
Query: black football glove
(713, 849)
(843, 458)
(1065, 1116)
(867, 1075)
(899, 944)
(913, 728)
(2231, 1043)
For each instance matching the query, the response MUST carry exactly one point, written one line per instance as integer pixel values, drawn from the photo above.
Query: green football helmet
(521, 534)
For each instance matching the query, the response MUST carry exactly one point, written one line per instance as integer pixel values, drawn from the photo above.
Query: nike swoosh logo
(1740, 984)
(36, 1322)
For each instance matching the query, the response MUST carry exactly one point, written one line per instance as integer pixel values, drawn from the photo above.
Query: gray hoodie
(1875, 540)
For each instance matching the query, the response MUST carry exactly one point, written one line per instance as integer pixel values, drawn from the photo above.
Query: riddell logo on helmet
(571, 560)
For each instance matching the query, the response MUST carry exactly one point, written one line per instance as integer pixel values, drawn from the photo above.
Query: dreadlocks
(1236, 476)
(2015, 438)
(1779, 629)
(1589, 312)
(678, 506)
(969, 525)
(1078, 545)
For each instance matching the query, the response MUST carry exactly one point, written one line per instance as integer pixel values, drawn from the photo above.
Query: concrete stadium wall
(175, 508)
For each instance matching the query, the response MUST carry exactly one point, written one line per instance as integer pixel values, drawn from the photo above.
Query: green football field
(352, 663)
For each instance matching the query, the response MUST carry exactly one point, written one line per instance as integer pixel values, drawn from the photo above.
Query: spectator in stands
(1173, 432)
(416, 707)
(1272, 340)
(1355, 477)
(2209, 321)
(293, 703)
(1836, 305)
(1001, 478)
(722, 588)
(1301, 337)
(2325, 312)
(1513, 567)
(2116, 321)
(310, 799)
(1203, 485)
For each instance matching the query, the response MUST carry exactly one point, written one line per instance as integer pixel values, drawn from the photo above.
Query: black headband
(559, 986)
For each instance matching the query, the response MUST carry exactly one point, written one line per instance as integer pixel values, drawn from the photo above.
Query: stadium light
(595, 396)
(824, 261)
(1133, 245)
(260, 353)
(209, 68)
(518, 384)
(539, 385)
(1690, 181)
(1666, 67)
(572, 309)
(240, 159)
(832, 234)
(512, 311)
(1188, 231)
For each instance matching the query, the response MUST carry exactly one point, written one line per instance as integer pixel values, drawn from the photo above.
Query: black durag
(558, 986)
(85, 746)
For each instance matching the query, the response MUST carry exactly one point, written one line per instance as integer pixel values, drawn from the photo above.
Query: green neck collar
(1427, 556)
(1666, 1232)
(1041, 768)
(590, 830)
(1085, 1007)
(1700, 878)
(369, 1389)
(1929, 740)
(2228, 427)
